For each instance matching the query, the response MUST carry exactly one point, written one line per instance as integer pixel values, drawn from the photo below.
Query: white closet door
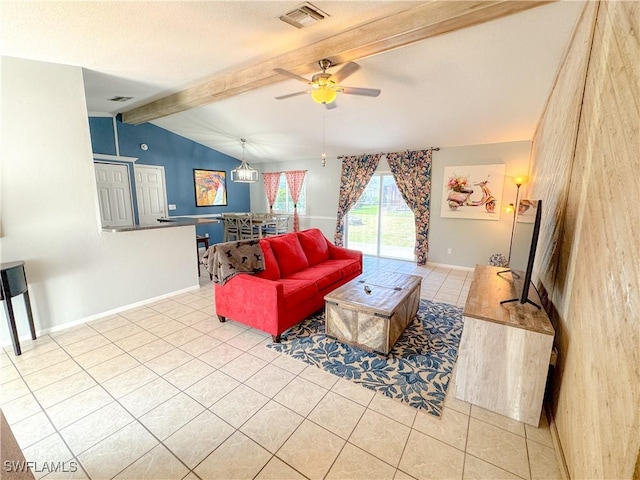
(150, 193)
(114, 193)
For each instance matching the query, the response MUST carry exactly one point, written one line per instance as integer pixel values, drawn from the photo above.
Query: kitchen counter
(166, 222)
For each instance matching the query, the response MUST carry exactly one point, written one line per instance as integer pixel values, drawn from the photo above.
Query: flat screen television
(526, 235)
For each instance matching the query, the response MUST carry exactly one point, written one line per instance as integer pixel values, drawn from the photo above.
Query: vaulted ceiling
(482, 84)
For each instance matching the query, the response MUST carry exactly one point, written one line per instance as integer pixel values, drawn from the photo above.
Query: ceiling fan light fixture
(324, 94)
(244, 173)
(325, 87)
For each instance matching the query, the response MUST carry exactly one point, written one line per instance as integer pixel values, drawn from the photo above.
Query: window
(284, 203)
(380, 223)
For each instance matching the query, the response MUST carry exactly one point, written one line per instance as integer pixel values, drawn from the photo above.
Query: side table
(13, 283)
(205, 242)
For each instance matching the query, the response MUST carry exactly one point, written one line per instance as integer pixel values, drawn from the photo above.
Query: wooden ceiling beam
(388, 33)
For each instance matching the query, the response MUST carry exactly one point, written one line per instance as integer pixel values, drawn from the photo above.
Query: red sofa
(300, 269)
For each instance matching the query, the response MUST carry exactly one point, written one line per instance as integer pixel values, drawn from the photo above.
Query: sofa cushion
(322, 276)
(347, 266)
(288, 253)
(297, 291)
(314, 245)
(271, 270)
(350, 267)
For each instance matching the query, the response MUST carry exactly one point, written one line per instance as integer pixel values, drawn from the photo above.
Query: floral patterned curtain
(412, 173)
(271, 181)
(295, 178)
(356, 173)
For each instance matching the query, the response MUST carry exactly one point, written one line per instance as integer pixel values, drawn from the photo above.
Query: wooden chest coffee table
(371, 311)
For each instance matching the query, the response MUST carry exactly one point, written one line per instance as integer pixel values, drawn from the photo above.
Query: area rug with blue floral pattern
(416, 371)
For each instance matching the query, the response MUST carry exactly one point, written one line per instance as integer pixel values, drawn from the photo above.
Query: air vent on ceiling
(119, 99)
(304, 15)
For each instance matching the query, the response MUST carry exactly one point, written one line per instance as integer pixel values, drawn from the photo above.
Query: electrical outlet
(172, 206)
(449, 251)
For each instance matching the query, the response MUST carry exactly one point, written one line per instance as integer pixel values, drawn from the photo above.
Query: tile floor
(165, 391)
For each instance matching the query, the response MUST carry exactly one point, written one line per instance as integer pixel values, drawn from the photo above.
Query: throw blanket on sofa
(226, 260)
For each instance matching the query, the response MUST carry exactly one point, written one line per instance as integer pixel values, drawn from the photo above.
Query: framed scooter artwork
(473, 191)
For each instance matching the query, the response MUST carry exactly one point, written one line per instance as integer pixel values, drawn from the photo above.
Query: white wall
(471, 241)
(50, 214)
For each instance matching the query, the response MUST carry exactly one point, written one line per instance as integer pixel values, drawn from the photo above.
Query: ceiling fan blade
(292, 75)
(345, 71)
(366, 92)
(289, 95)
(331, 106)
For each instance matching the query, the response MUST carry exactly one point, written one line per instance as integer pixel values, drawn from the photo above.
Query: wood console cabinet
(504, 353)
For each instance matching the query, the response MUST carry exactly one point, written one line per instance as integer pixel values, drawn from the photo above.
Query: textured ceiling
(483, 84)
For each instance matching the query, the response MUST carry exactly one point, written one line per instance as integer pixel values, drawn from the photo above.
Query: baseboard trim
(97, 316)
(140, 303)
(429, 264)
(557, 446)
(445, 265)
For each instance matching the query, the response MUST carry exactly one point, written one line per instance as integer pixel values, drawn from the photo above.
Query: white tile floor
(165, 391)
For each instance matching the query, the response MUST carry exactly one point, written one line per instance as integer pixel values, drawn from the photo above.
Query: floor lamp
(519, 181)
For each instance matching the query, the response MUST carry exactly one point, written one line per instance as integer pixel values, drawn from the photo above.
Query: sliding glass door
(381, 224)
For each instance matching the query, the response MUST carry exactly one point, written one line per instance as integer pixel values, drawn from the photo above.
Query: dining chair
(230, 228)
(278, 226)
(247, 230)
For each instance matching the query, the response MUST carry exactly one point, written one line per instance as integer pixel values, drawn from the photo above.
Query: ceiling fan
(326, 86)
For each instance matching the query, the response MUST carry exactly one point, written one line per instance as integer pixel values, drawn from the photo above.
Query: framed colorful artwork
(473, 191)
(210, 188)
(527, 210)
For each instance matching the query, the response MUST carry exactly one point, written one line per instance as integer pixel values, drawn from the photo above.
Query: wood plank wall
(553, 148)
(590, 245)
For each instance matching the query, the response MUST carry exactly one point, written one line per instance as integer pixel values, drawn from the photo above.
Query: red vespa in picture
(459, 195)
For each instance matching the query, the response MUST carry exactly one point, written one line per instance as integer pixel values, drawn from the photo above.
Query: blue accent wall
(179, 156)
(102, 138)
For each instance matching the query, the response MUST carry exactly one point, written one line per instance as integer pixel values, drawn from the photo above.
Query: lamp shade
(520, 180)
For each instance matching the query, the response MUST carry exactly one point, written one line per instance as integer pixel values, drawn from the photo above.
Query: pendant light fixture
(244, 173)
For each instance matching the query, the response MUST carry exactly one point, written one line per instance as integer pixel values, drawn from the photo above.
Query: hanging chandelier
(244, 173)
